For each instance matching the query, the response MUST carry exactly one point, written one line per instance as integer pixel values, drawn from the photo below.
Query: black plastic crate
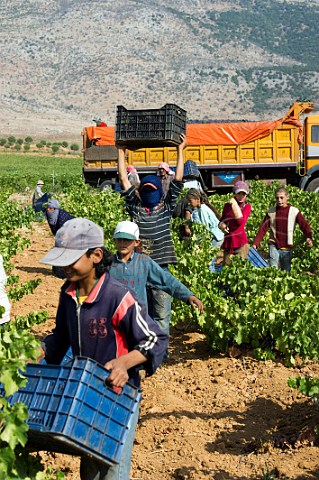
(147, 128)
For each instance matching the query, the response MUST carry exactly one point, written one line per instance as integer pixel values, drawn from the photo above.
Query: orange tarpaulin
(208, 133)
(228, 133)
(101, 135)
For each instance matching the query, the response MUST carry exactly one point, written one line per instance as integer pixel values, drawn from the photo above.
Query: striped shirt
(154, 224)
(281, 223)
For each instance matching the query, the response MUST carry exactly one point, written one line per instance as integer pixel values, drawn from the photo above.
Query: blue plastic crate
(72, 411)
(67, 358)
(256, 259)
(190, 169)
(253, 257)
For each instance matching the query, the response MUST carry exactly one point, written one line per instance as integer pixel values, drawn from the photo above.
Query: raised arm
(180, 158)
(123, 178)
(236, 209)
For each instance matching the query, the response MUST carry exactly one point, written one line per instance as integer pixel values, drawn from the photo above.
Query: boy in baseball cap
(136, 270)
(101, 319)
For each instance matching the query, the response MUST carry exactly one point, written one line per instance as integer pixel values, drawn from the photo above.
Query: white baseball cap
(128, 230)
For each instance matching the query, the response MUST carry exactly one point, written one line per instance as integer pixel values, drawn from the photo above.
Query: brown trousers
(224, 256)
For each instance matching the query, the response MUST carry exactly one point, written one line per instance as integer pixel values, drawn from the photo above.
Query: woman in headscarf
(133, 176)
(55, 215)
(166, 175)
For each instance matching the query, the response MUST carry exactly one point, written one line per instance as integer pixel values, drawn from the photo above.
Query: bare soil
(202, 416)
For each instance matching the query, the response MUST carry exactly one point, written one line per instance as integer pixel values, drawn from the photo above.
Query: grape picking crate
(71, 410)
(147, 128)
(253, 257)
(256, 259)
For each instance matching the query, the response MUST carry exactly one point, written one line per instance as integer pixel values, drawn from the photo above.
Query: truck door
(311, 150)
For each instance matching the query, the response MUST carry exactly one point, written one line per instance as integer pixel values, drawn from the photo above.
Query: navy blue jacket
(108, 324)
(63, 217)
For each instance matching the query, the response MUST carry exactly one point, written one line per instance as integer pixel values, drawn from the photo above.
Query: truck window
(315, 134)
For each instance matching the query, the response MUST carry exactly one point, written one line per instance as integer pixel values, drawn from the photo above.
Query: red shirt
(236, 237)
(281, 222)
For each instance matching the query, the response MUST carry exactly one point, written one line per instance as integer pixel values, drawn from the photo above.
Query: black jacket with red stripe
(108, 324)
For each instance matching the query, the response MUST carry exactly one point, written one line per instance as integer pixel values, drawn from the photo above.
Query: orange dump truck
(284, 149)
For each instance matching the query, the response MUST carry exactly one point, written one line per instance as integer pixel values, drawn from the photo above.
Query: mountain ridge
(65, 61)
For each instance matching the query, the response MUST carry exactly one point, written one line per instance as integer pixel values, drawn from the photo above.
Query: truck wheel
(106, 185)
(313, 186)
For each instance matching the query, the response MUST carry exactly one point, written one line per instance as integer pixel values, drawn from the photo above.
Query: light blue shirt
(206, 216)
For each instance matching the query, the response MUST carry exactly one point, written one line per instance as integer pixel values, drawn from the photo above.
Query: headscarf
(166, 167)
(151, 191)
(53, 203)
(53, 216)
(131, 169)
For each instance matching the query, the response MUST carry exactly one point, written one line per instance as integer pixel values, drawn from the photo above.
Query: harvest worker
(166, 175)
(152, 213)
(135, 269)
(99, 122)
(281, 222)
(133, 176)
(101, 319)
(55, 215)
(206, 214)
(233, 220)
(4, 301)
(56, 218)
(37, 193)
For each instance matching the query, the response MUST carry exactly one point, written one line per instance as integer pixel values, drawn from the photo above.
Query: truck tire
(313, 186)
(106, 185)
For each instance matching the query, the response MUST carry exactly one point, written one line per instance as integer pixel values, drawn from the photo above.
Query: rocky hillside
(63, 61)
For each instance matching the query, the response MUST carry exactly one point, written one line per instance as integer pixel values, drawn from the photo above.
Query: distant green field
(24, 170)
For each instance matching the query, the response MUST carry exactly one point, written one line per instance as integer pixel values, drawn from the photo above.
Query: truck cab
(310, 180)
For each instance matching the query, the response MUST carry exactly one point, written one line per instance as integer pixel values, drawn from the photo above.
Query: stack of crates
(150, 128)
(72, 410)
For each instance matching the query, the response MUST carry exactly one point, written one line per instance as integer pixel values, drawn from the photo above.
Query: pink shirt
(236, 237)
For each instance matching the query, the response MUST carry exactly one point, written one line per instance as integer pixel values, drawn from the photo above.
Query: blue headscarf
(151, 195)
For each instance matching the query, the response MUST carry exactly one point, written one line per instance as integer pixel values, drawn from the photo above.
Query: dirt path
(202, 416)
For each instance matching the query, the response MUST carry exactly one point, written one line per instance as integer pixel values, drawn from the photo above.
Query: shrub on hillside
(55, 148)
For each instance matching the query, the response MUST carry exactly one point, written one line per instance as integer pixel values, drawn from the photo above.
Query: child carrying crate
(101, 319)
